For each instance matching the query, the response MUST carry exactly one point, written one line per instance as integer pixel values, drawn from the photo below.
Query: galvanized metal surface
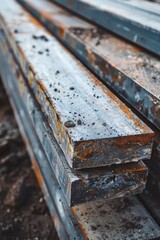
(83, 185)
(97, 219)
(128, 70)
(134, 22)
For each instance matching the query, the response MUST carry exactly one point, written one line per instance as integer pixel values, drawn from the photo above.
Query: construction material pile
(85, 143)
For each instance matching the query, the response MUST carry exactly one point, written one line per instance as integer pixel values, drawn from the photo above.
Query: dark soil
(23, 212)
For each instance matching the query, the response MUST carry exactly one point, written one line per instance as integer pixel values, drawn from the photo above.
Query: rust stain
(74, 210)
(61, 31)
(34, 21)
(144, 138)
(37, 172)
(90, 56)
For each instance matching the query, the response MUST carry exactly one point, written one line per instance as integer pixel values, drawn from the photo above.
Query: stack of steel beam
(85, 144)
(131, 72)
(129, 19)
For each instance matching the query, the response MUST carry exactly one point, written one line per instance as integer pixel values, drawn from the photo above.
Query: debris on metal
(137, 22)
(86, 220)
(84, 115)
(77, 186)
(132, 73)
(86, 146)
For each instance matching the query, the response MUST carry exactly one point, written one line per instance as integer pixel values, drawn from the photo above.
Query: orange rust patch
(37, 172)
(90, 56)
(74, 210)
(34, 21)
(123, 141)
(61, 31)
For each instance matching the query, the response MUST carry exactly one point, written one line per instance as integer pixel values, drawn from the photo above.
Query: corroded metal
(66, 224)
(90, 124)
(118, 219)
(129, 71)
(81, 185)
(137, 22)
(88, 221)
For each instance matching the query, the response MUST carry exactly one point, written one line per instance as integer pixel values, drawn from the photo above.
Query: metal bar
(96, 220)
(66, 224)
(62, 23)
(130, 72)
(77, 186)
(127, 19)
(84, 115)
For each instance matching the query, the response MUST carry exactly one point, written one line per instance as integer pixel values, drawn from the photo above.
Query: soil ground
(23, 212)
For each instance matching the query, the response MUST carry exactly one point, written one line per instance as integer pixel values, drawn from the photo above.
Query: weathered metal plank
(118, 219)
(129, 71)
(90, 124)
(67, 91)
(77, 186)
(66, 224)
(124, 18)
(89, 221)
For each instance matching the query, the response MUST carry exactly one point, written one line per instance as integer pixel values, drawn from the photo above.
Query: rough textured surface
(131, 72)
(81, 185)
(144, 229)
(119, 219)
(135, 221)
(27, 220)
(125, 18)
(65, 97)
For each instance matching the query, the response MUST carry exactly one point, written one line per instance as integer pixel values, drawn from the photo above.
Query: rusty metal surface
(82, 185)
(88, 221)
(65, 223)
(82, 137)
(127, 137)
(123, 219)
(128, 70)
(125, 18)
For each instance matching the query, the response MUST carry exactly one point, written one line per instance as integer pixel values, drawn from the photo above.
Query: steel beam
(136, 21)
(66, 224)
(87, 221)
(61, 23)
(77, 186)
(90, 124)
(129, 71)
